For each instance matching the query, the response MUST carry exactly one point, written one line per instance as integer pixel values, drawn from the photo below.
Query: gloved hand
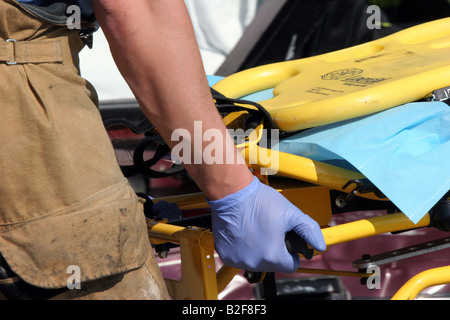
(250, 225)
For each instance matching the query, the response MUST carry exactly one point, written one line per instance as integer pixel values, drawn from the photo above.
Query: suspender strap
(19, 52)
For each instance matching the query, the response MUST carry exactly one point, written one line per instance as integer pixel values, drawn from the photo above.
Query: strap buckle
(13, 50)
(362, 186)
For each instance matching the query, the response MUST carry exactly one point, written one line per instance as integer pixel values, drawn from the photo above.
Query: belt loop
(12, 52)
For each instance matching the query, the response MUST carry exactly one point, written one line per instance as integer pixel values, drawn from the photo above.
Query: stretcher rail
(201, 241)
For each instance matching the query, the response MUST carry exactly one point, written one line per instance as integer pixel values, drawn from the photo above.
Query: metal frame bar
(201, 281)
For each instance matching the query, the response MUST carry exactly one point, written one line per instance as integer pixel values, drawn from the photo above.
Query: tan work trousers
(63, 199)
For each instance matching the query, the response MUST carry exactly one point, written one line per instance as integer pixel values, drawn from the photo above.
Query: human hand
(250, 226)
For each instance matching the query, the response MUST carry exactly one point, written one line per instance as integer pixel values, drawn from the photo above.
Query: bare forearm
(154, 47)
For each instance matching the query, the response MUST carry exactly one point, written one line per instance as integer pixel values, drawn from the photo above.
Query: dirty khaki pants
(63, 199)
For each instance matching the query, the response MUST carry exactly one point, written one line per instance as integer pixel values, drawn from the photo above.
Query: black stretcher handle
(296, 244)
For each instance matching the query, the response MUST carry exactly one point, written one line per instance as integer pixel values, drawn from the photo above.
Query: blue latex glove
(250, 225)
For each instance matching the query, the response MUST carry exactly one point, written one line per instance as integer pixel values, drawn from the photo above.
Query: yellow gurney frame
(200, 281)
(199, 278)
(395, 54)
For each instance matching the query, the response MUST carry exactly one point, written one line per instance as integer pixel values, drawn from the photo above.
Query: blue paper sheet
(404, 151)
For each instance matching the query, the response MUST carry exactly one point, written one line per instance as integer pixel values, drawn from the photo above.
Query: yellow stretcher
(311, 92)
(404, 67)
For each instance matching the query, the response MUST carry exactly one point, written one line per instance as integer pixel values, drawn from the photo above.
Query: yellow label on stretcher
(401, 68)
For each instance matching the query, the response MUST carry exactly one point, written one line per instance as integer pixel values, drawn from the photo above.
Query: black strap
(144, 167)
(442, 95)
(144, 125)
(228, 105)
(224, 105)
